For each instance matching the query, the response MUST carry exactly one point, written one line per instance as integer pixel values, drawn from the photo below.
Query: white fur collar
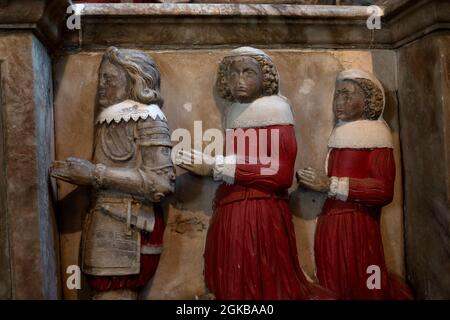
(361, 134)
(130, 109)
(263, 112)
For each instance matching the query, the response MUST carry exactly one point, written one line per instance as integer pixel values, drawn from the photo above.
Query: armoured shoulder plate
(117, 140)
(154, 133)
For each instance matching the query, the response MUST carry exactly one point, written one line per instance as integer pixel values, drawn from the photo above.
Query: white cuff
(339, 188)
(225, 168)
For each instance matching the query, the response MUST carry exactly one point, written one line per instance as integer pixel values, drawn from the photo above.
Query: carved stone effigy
(48, 86)
(131, 171)
(359, 181)
(250, 248)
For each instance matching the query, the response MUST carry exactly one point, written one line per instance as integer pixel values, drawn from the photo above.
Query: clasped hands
(311, 178)
(81, 172)
(195, 162)
(201, 164)
(73, 170)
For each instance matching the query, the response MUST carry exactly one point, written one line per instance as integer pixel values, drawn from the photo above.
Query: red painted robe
(348, 238)
(251, 249)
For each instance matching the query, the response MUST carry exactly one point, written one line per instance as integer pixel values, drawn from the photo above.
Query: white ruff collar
(263, 112)
(361, 134)
(130, 109)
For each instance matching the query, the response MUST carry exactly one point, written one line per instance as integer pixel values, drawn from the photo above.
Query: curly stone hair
(271, 81)
(373, 98)
(142, 72)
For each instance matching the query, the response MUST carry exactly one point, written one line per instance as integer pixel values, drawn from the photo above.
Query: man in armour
(130, 173)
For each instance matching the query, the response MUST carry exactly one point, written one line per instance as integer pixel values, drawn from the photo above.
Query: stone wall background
(188, 77)
(5, 274)
(424, 117)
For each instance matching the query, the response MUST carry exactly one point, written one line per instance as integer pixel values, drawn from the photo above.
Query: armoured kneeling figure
(131, 172)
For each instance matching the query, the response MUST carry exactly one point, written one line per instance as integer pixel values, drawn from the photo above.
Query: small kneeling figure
(359, 181)
(250, 249)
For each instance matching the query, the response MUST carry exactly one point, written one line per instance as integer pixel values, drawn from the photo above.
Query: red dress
(250, 249)
(348, 238)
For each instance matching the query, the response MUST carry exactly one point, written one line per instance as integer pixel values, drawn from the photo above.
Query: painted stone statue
(250, 248)
(359, 181)
(131, 171)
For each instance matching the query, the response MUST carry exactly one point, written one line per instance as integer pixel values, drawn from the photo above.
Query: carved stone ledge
(411, 20)
(176, 25)
(197, 25)
(224, 10)
(45, 18)
(218, 25)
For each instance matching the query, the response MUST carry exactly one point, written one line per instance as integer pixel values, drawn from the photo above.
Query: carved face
(246, 79)
(112, 84)
(348, 102)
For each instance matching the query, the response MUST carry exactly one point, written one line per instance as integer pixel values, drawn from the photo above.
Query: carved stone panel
(5, 268)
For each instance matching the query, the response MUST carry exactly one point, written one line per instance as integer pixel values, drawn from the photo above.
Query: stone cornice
(414, 19)
(268, 25)
(45, 18)
(216, 25)
(208, 25)
(223, 10)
